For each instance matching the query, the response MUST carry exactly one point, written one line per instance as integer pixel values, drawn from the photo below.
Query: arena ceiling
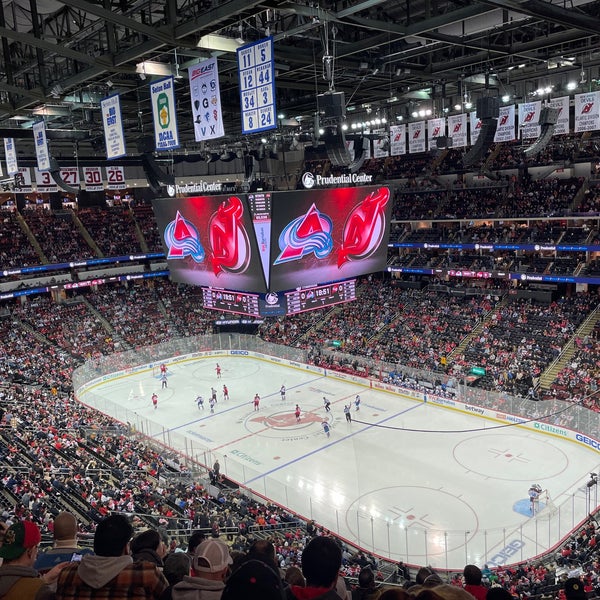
(59, 58)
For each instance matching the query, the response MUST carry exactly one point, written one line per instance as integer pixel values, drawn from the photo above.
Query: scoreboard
(230, 301)
(320, 296)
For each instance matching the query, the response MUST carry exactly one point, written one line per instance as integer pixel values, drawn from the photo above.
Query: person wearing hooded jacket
(111, 572)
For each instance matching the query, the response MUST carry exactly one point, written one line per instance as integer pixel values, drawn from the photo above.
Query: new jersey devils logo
(229, 242)
(182, 239)
(364, 228)
(308, 233)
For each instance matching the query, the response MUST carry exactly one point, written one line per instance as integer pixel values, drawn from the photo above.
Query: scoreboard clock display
(229, 301)
(320, 296)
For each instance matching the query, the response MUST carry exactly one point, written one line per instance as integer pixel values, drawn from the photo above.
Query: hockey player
(225, 393)
(163, 381)
(218, 370)
(326, 428)
(256, 401)
(155, 400)
(326, 404)
(357, 402)
(347, 413)
(200, 402)
(297, 413)
(212, 403)
(282, 392)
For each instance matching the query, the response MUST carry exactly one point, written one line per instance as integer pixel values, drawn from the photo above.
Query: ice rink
(405, 480)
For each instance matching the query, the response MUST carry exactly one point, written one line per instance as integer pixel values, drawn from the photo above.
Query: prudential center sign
(309, 180)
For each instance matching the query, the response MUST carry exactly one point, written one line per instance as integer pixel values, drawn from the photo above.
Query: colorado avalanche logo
(364, 228)
(182, 239)
(228, 237)
(309, 233)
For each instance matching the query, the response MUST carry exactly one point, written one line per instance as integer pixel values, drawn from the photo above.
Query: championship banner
(529, 117)
(506, 124)
(587, 112)
(256, 72)
(92, 179)
(10, 154)
(416, 137)
(115, 177)
(23, 181)
(457, 130)
(44, 181)
(164, 115)
(435, 128)
(41, 145)
(562, 105)
(398, 140)
(70, 175)
(475, 126)
(379, 144)
(206, 100)
(112, 121)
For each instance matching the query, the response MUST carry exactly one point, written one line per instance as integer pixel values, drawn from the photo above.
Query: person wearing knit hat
(18, 579)
(574, 589)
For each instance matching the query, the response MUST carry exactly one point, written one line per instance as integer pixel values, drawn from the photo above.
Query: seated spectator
(321, 563)
(367, 588)
(111, 572)
(209, 570)
(472, 575)
(149, 546)
(18, 579)
(65, 544)
(254, 580)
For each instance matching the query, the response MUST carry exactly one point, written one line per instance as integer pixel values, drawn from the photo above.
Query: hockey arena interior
(275, 272)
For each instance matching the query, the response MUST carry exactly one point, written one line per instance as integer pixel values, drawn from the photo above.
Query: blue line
(211, 415)
(291, 462)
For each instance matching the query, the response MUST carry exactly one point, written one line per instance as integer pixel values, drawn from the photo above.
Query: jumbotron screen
(327, 235)
(277, 241)
(210, 241)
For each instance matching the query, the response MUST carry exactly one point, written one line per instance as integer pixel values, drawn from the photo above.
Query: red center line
(249, 435)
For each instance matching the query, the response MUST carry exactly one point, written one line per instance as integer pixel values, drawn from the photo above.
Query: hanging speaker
(488, 109)
(548, 120)
(335, 145)
(55, 174)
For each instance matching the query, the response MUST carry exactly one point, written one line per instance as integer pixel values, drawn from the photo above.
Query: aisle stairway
(586, 328)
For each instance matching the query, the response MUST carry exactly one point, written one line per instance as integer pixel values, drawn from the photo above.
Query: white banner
(529, 118)
(457, 130)
(10, 154)
(206, 100)
(1, 172)
(378, 150)
(70, 175)
(115, 177)
(92, 178)
(506, 124)
(587, 112)
(398, 140)
(162, 97)
(475, 126)
(23, 181)
(41, 145)
(435, 128)
(416, 137)
(562, 104)
(256, 73)
(114, 137)
(44, 181)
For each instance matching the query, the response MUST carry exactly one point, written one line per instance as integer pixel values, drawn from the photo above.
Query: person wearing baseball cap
(18, 579)
(210, 566)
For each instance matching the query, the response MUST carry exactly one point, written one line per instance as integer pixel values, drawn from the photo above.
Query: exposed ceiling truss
(59, 58)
